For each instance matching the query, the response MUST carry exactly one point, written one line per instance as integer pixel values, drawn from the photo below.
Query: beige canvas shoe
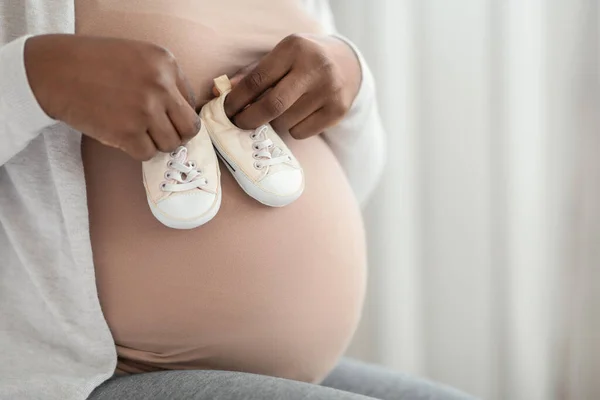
(259, 160)
(184, 187)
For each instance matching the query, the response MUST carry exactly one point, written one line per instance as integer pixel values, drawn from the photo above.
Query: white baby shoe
(183, 188)
(259, 160)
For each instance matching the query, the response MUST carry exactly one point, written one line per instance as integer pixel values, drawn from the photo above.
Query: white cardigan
(54, 341)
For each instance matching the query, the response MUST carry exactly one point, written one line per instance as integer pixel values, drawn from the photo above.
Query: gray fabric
(351, 380)
(385, 384)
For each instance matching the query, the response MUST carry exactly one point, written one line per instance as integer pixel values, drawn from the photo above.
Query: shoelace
(265, 151)
(184, 172)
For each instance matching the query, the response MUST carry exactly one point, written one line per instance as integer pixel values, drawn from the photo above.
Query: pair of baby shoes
(184, 188)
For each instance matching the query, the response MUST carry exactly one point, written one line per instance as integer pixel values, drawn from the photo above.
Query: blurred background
(484, 234)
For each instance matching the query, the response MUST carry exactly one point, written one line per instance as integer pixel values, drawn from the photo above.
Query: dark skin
(306, 84)
(126, 94)
(143, 104)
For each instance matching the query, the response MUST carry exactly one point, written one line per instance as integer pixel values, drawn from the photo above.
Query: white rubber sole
(188, 223)
(266, 198)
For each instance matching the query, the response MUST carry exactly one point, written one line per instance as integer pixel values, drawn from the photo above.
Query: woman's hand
(126, 94)
(306, 84)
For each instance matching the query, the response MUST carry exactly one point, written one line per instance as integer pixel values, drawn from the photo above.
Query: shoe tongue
(274, 149)
(275, 152)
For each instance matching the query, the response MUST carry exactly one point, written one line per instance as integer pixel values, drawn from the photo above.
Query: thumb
(185, 88)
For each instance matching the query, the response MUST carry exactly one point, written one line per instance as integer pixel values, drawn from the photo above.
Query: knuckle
(334, 88)
(146, 107)
(297, 45)
(326, 65)
(292, 37)
(161, 80)
(338, 108)
(302, 43)
(255, 80)
(131, 131)
(294, 40)
(162, 68)
(336, 83)
(275, 105)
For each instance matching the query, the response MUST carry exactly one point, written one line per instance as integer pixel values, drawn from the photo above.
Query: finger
(186, 90)
(304, 107)
(272, 68)
(240, 74)
(142, 148)
(315, 124)
(184, 118)
(274, 103)
(164, 134)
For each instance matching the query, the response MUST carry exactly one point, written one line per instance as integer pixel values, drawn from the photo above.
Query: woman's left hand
(306, 84)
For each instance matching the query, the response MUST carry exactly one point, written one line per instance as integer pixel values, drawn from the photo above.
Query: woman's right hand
(126, 94)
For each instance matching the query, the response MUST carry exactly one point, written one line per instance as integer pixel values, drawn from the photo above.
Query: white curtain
(485, 232)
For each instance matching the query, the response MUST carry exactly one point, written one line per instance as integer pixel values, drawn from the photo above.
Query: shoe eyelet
(162, 186)
(255, 147)
(167, 175)
(255, 156)
(253, 136)
(170, 164)
(289, 158)
(192, 164)
(258, 165)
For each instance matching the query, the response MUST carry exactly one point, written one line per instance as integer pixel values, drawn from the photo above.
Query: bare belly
(257, 289)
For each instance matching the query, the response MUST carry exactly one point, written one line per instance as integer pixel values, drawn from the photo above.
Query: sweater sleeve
(358, 141)
(21, 117)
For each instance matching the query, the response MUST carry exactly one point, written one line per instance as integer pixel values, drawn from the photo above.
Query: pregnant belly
(257, 289)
